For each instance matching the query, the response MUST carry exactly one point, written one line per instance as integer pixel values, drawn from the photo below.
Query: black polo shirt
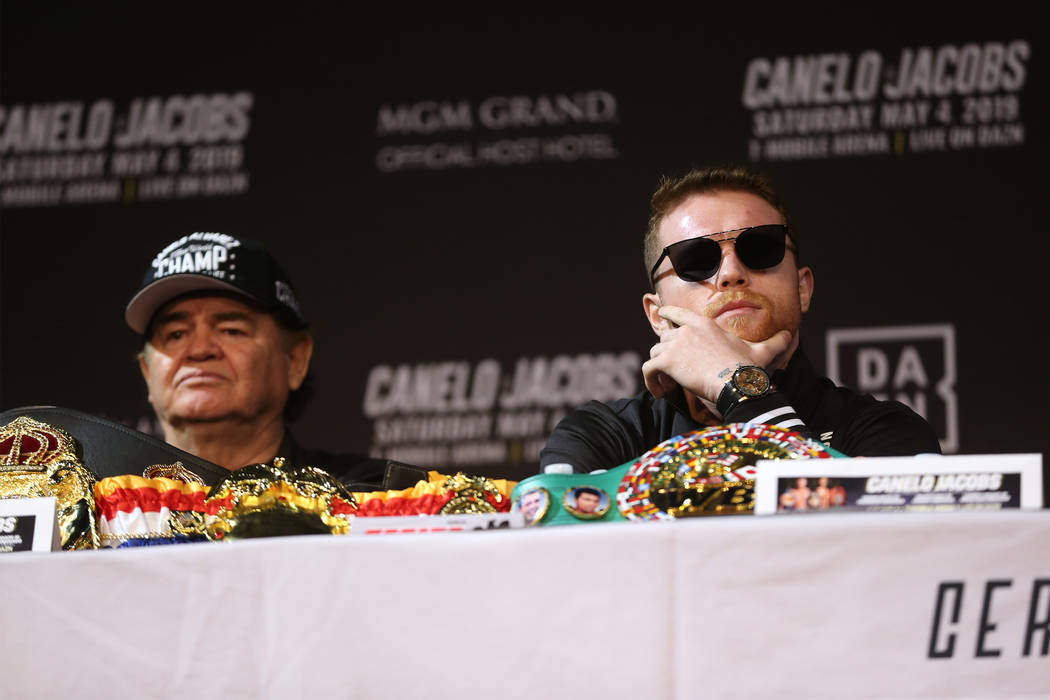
(601, 436)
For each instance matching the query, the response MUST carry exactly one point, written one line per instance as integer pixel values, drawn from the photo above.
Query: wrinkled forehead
(209, 302)
(718, 215)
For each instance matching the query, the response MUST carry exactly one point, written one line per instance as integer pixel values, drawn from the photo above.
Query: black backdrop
(460, 203)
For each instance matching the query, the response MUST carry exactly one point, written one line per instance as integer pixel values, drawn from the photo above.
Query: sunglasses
(698, 259)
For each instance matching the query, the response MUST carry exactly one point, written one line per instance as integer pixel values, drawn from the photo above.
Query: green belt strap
(558, 494)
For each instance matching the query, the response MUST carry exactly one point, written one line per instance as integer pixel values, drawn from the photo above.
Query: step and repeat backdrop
(460, 203)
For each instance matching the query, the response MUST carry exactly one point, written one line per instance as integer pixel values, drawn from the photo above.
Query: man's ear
(299, 355)
(144, 368)
(651, 303)
(805, 287)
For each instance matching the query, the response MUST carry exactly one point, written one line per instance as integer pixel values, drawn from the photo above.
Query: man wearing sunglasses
(726, 303)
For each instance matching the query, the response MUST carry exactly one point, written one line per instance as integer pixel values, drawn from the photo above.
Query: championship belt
(702, 472)
(269, 500)
(138, 511)
(38, 460)
(439, 494)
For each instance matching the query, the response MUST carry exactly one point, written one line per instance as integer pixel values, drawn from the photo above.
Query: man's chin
(746, 328)
(200, 413)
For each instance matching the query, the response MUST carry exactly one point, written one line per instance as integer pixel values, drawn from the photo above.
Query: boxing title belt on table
(38, 460)
(268, 500)
(439, 494)
(164, 506)
(263, 500)
(172, 505)
(702, 472)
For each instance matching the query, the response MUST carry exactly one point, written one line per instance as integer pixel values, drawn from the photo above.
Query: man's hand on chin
(695, 353)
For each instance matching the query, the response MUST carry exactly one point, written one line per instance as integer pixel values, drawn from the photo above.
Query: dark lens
(761, 247)
(695, 259)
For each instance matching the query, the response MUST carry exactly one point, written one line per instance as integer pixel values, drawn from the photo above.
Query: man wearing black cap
(225, 348)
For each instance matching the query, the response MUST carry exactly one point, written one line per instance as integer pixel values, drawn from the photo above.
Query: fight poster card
(29, 524)
(904, 484)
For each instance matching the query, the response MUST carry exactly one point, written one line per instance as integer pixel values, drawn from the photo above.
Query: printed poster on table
(906, 484)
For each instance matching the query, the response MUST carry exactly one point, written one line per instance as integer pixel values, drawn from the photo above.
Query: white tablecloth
(807, 606)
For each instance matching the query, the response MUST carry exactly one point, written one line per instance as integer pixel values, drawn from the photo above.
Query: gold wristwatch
(747, 382)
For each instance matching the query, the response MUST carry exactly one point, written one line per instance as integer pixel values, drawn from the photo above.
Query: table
(820, 605)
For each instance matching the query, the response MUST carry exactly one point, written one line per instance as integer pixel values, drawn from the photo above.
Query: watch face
(751, 381)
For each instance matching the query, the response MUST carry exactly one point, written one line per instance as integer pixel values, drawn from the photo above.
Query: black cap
(205, 261)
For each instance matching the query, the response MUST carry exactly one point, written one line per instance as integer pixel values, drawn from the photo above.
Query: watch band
(728, 399)
(742, 386)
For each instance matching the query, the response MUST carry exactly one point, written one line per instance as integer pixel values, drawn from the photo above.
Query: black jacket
(602, 436)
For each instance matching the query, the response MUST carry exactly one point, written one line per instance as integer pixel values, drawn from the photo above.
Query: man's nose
(203, 345)
(732, 272)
